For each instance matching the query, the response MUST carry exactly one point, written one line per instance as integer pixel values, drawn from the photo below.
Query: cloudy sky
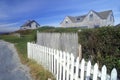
(13, 13)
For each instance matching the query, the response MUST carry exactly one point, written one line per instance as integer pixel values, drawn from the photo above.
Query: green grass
(36, 70)
(58, 29)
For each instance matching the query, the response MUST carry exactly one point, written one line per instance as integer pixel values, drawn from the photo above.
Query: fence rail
(65, 66)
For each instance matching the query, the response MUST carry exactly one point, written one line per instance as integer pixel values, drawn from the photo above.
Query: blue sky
(13, 13)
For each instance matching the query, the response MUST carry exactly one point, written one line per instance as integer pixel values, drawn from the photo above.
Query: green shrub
(102, 45)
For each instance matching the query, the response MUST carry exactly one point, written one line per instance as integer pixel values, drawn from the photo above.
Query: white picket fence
(64, 66)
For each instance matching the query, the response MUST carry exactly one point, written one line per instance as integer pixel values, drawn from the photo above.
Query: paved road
(10, 65)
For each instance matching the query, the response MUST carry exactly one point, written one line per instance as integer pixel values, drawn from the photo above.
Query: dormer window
(91, 17)
(66, 21)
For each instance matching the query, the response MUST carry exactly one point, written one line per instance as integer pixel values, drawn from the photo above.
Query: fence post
(80, 51)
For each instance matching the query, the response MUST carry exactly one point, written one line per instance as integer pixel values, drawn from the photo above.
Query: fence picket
(114, 74)
(77, 68)
(64, 63)
(82, 69)
(95, 72)
(47, 58)
(68, 66)
(58, 64)
(104, 73)
(39, 61)
(54, 62)
(88, 70)
(28, 51)
(72, 67)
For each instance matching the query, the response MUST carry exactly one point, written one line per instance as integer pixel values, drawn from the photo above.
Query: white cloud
(9, 27)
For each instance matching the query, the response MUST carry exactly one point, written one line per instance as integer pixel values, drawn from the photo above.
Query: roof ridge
(102, 15)
(29, 22)
(104, 11)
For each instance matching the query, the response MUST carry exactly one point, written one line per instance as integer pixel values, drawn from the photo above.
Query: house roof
(29, 22)
(102, 15)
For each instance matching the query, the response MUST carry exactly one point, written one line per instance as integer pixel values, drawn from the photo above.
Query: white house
(91, 20)
(30, 24)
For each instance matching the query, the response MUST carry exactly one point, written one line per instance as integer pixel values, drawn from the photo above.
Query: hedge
(102, 45)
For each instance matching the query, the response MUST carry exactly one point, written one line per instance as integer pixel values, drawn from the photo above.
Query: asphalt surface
(10, 65)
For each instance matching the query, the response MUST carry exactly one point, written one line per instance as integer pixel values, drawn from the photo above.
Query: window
(30, 26)
(91, 17)
(66, 21)
(36, 26)
(78, 19)
(96, 26)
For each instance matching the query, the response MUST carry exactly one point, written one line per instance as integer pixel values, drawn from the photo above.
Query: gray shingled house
(91, 20)
(30, 24)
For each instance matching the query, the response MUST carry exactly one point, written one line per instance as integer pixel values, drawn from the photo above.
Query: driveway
(10, 65)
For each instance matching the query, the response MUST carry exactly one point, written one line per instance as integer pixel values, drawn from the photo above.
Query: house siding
(33, 25)
(96, 21)
(110, 22)
(69, 24)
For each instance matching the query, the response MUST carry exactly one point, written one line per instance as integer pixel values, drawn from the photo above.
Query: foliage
(57, 29)
(102, 45)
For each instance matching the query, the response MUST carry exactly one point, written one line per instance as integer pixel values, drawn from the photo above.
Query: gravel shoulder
(10, 66)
